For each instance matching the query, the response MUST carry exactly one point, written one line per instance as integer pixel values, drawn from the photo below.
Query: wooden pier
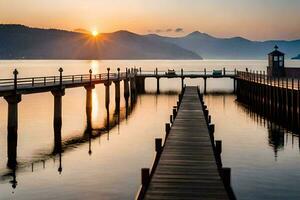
(277, 98)
(12, 90)
(188, 166)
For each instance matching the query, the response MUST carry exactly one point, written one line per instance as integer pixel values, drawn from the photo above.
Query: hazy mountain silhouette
(297, 57)
(18, 41)
(210, 47)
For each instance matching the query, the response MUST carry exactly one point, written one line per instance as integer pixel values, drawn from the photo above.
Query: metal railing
(40, 81)
(262, 78)
(181, 72)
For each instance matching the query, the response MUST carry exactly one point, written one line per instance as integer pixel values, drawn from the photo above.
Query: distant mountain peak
(124, 32)
(199, 34)
(238, 38)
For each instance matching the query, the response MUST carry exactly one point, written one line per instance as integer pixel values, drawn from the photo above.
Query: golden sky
(253, 19)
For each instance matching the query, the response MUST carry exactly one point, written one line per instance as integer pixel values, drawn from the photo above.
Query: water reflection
(279, 128)
(276, 137)
(61, 146)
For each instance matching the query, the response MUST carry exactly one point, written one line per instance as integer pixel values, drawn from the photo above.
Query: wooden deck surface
(187, 167)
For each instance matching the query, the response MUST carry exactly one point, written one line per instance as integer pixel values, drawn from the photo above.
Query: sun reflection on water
(95, 66)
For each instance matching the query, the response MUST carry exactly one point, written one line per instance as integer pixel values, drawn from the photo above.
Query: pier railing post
(145, 172)
(168, 128)
(158, 145)
(60, 76)
(15, 79)
(219, 152)
(90, 72)
(226, 175)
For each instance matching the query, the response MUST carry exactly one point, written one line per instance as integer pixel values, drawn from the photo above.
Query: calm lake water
(264, 158)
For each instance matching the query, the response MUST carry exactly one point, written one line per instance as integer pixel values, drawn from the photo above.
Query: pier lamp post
(90, 71)
(60, 75)
(15, 78)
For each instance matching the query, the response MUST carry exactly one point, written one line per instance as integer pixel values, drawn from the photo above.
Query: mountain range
(210, 47)
(22, 42)
(296, 57)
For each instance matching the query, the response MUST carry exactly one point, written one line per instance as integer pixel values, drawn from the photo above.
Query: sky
(252, 19)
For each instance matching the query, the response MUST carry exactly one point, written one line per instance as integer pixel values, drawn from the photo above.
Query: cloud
(166, 30)
(179, 30)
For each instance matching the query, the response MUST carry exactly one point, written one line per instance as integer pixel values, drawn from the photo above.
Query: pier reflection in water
(67, 157)
(264, 155)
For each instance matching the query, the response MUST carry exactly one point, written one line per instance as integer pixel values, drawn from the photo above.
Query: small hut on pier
(277, 67)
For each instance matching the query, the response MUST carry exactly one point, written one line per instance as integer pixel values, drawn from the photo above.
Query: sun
(95, 33)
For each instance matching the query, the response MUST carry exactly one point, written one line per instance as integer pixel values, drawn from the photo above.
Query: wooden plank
(187, 167)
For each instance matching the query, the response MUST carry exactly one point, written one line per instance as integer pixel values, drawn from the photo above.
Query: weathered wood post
(182, 80)
(58, 94)
(157, 81)
(145, 172)
(235, 81)
(292, 100)
(117, 90)
(57, 142)
(12, 128)
(218, 152)
(89, 105)
(132, 89)
(211, 128)
(174, 112)
(168, 128)
(126, 86)
(158, 145)
(226, 175)
(107, 92)
(260, 95)
(287, 97)
(298, 102)
(204, 84)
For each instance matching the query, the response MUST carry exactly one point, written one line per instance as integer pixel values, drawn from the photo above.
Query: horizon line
(84, 31)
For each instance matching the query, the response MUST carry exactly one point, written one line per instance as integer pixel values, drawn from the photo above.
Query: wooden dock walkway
(187, 167)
